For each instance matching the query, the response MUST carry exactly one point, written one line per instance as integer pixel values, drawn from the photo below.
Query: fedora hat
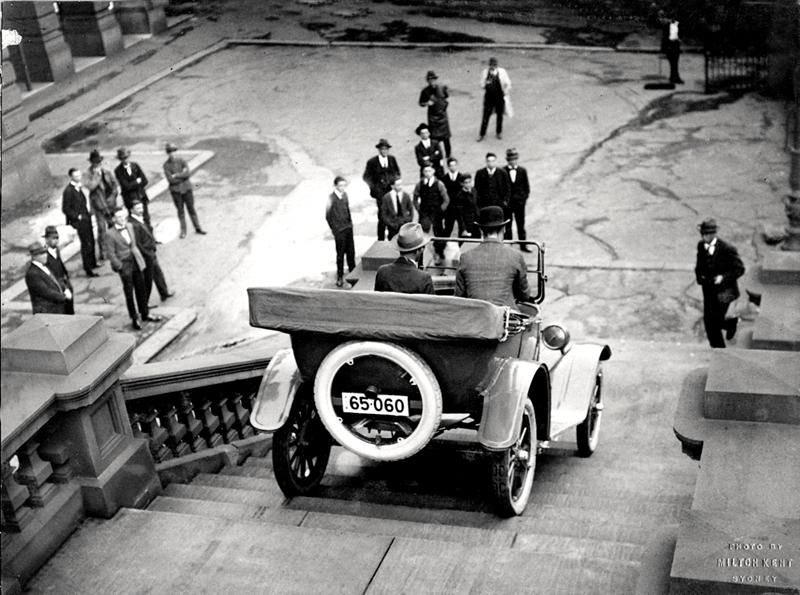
(512, 154)
(431, 75)
(36, 248)
(123, 152)
(170, 147)
(490, 217)
(95, 156)
(50, 230)
(708, 226)
(422, 126)
(410, 238)
(383, 143)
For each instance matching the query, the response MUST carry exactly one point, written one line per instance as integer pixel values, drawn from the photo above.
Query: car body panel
(279, 385)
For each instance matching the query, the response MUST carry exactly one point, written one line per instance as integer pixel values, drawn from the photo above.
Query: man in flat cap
(177, 173)
(47, 294)
(520, 190)
(434, 97)
(57, 266)
(496, 85)
(103, 192)
(717, 269)
(132, 183)
(379, 174)
(492, 271)
(403, 275)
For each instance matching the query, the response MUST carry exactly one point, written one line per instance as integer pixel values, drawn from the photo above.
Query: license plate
(379, 405)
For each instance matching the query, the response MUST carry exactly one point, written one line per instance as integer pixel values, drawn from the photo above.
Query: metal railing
(738, 73)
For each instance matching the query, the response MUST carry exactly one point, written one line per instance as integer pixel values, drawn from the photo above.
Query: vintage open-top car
(382, 374)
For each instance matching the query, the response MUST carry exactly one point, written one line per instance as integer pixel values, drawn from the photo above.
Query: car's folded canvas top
(374, 315)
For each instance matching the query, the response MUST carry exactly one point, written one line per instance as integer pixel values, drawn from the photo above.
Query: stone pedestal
(24, 169)
(46, 55)
(137, 17)
(90, 28)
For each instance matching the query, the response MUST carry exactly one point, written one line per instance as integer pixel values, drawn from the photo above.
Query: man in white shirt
(379, 173)
(396, 209)
(495, 84)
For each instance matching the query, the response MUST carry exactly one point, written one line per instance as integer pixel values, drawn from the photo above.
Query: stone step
(227, 510)
(263, 498)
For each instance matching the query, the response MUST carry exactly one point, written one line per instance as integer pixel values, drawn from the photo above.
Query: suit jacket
(47, 295)
(494, 189)
(103, 191)
(403, 276)
(434, 152)
(389, 214)
(453, 187)
(56, 266)
(337, 212)
(73, 205)
(493, 272)
(520, 190)
(131, 189)
(144, 239)
(726, 262)
(380, 179)
(121, 254)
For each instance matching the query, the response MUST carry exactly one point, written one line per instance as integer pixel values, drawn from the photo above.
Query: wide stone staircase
(425, 525)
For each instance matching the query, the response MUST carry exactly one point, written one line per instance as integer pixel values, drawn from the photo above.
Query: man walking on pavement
(337, 214)
(127, 260)
(75, 206)
(47, 295)
(57, 267)
(403, 275)
(493, 188)
(452, 181)
(147, 246)
(379, 173)
(520, 190)
(496, 85)
(396, 209)
(717, 269)
(434, 97)
(177, 172)
(431, 201)
(132, 183)
(103, 193)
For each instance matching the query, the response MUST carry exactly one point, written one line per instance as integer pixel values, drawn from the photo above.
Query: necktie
(397, 196)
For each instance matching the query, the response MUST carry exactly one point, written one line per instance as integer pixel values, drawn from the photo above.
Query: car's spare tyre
(379, 400)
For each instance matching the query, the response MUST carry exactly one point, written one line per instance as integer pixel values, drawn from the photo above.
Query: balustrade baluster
(16, 516)
(151, 424)
(34, 473)
(57, 454)
(227, 420)
(176, 431)
(194, 427)
(210, 425)
(240, 405)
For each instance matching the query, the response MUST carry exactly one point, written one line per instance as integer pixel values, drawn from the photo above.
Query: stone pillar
(24, 169)
(90, 28)
(137, 17)
(46, 55)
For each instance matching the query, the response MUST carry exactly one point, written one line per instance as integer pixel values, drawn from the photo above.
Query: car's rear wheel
(300, 449)
(513, 468)
(588, 431)
(378, 399)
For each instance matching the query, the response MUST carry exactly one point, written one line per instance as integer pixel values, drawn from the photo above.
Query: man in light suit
(379, 174)
(56, 265)
(396, 209)
(520, 190)
(127, 260)
(403, 275)
(47, 295)
(75, 206)
(496, 85)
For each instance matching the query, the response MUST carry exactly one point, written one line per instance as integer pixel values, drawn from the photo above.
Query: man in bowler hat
(717, 269)
(520, 190)
(75, 206)
(492, 271)
(379, 174)
(132, 183)
(56, 265)
(403, 275)
(48, 295)
(103, 193)
(434, 97)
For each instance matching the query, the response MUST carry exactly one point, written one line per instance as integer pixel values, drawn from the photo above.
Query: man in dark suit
(47, 295)
(494, 188)
(337, 214)
(147, 246)
(75, 206)
(379, 174)
(717, 269)
(132, 183)
(431, 202)
(492, 271)
(403, 275)
(452, 180)
(127, 260)
(428, 151)
(57, 267)
(520, 190)
(396, 208)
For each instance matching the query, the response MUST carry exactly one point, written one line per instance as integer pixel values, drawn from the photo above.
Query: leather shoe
(183, 234)
(201, 232)
(730, 331)
(480, 138)
(152, 318)
(499, 136)
(339, 281)
(91, 274)
(167, 295)
(136, 325)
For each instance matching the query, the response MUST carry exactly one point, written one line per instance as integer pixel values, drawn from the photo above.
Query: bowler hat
(95, 156)
(383, 143)
(708, 226)
(170, 147)
(491, 217)
(422, 126)
(36, 248)
(492, 61)
(512, 154)
(410, 238)
(50, 230)
(431, 75)
(123, 152)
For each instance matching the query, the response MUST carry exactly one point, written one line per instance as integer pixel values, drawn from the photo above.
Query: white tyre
(380, 400)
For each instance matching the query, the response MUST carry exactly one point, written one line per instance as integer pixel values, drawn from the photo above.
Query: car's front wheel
(588, 431)
(513, 468)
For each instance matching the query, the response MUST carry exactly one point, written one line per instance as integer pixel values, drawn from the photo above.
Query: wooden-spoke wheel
(588, 431)
(300, 449)
(513, 468)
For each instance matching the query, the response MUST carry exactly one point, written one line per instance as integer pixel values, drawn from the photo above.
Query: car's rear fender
(504, 399)
(279, 385)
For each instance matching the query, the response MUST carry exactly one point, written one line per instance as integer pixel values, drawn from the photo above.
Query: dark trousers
(714, 317)
(344, 248)
(493, 104)
(518, 215)
(391, 232)
(452, 216)
(447, 148)
(86, 236)
(102, 229)
(673, 53)
(381, 224)
(507, 235)
(185, 199)
(134, 289)
(154, 274)
(434, 218)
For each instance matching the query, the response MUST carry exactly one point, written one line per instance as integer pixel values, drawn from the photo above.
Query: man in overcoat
(103, 193)
(56, 265)
(379, 173)
(434, 97)
(403, 275)
(48, 295)
(75, 206)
